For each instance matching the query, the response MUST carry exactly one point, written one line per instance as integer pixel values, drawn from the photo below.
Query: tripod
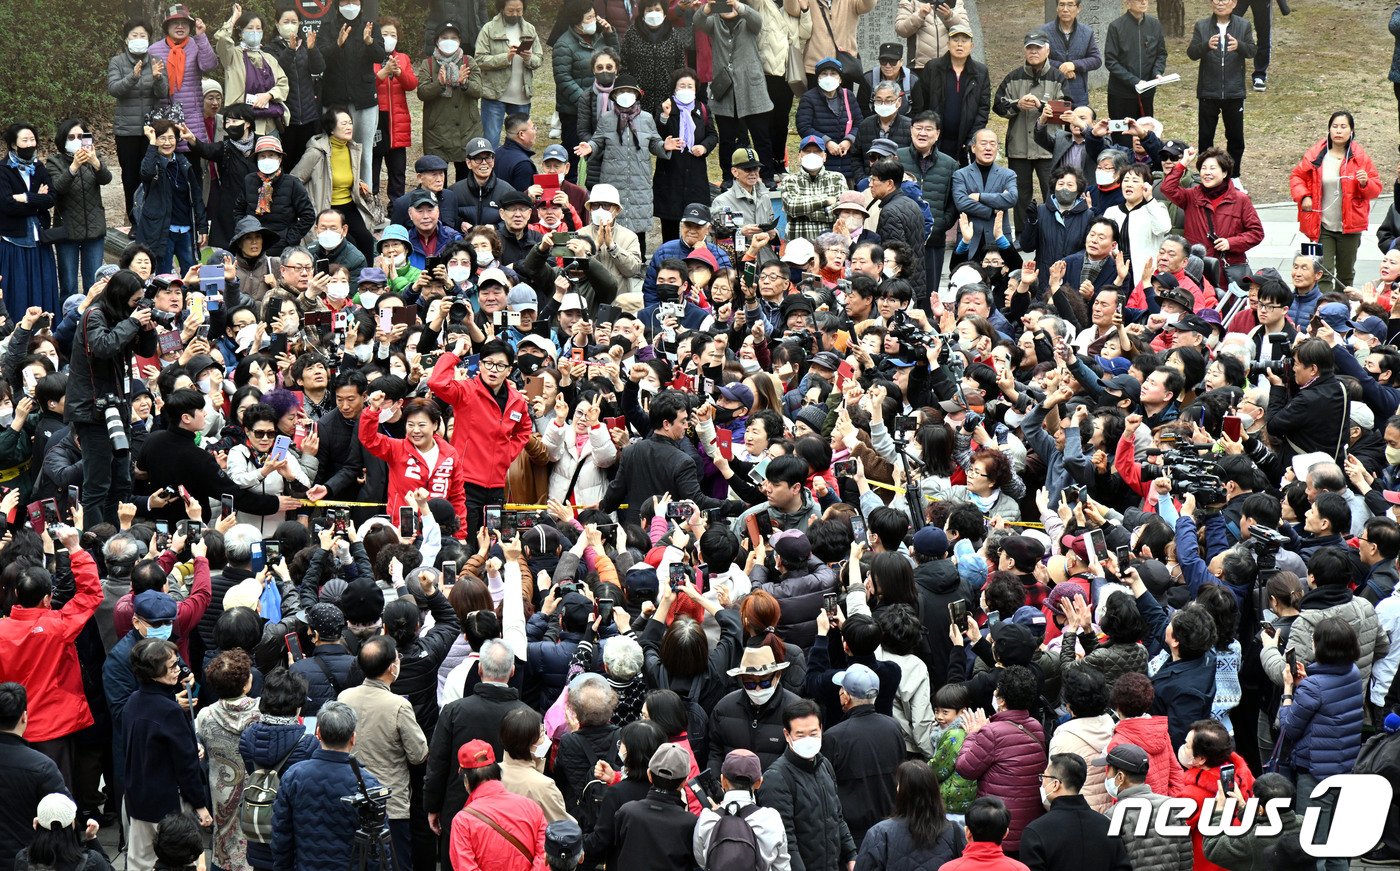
(373, 843)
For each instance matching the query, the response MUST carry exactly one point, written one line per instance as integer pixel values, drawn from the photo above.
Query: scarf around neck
(687, 122)
(265, 192)
(602, 98)
(175, 64)
(451, 66)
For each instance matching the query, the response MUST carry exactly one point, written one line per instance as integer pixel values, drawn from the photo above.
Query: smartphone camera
(679, 576)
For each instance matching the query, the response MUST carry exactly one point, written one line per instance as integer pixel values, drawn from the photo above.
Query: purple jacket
(199, 59)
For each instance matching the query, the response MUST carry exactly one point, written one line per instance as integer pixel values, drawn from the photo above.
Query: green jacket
(573, 67)
(493, 65)
(958, 791)
(451, 115)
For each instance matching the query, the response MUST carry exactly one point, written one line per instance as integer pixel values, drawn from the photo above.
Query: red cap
(475, 754)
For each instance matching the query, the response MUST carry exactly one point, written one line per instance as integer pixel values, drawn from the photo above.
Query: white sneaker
(554, 128)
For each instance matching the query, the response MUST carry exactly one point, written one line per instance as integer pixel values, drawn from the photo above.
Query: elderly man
(748, 199)
(428, 235)
(695, 231)
(982, 189)
(480, 192)
(331, 245)
(514, 228)
(1021, 99)
(432, 177)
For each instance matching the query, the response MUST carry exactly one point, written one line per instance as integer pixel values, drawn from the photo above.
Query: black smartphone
(681, 511)
(830, 601)
(1270, 630)
(706, 785)
(449, 573)
(225, 505)
(406, 522)
(43, 322)
(679, 576)
(1227, 778)
(1124, 555)
(294, 646)
(857, 528)
(605, 612)
(272, 551)
(1291, 658)
(957, 613)
(51, 517)
(341, 523)
(1069, 495)
(905, 423)
(844, 468)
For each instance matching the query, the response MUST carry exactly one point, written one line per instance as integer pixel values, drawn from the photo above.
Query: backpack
(697, 719)
(259, 793)
(733, 844)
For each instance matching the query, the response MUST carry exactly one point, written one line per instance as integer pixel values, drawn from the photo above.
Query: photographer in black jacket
(1312, 417)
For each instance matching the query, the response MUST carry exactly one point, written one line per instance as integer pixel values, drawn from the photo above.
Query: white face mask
(654, 19)
(1104, 177)
(812, 162)
(758, 697)
(391, 43)
(368, 298)
(72, 146)
(398, 259)
(138, 45)
(205, 385)
(829, 84)
(458, 274)
(328, 239)
(887, 271)
(886, 110)
(588, 28)
(1171, 318)
(651, 385)
(1183, 755)
(1044, 799)
(602, 217)
(541, 750)
(350, 11)
(1110, 785)
(268, 165)
(685, 95)
(287, 30)
(338, 290)
(625, 100)
(252, 38)
(807, 748)
(448, 46)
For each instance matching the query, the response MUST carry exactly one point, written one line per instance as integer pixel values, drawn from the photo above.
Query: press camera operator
(1312, 415)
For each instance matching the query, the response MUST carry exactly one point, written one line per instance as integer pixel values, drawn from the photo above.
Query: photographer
(1314, 417)
(113, 331)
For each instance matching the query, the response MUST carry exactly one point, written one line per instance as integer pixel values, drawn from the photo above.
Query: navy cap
(153, 606)
(430, 163)
(555, 152)
(563, 839)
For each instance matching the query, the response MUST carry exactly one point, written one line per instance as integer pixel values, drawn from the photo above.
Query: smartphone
(1124, 555)
(559, 246)
(957, 613)
(1291, 658)
(577, 355)
(449, 573)
(680, 511)
(272, 550)
(857, 528)
(35, 510)
(280, 446)
(386, 320)
(1117, 126)
(534, 386)
(202, 332)
(605, 612)
(211, 280)
(678, 577)
(705, 786)
(830, 603)
(43, 323)
(492, 514)
(845, 372)
(294, 646)
(258, 561)
(845, 468)
(1311, 249)
(1098, 549)
(406, 522)
(74, 495)
(606, 313)
(1269, 630)
(342, 521)
(1227, 778)
(526, 43)
(225, 505)
(905, 423)
(51, 516)
(1232, 426)
(87, 142)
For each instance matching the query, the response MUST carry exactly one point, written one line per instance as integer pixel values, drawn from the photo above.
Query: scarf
(451, 66)
(687, 123)
(265, 193)
(175, 65)
(603, 99)
(625, 117)
(244, 149)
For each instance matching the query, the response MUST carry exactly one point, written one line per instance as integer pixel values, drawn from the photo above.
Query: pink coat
(199, 59)
(1006, 757)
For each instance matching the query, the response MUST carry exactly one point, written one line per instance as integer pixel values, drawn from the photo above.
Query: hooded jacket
(799, 590)
(1151, 851)
(280, 745)
(939, 585)
(1088, 738)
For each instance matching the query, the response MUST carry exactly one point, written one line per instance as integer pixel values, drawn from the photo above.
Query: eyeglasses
(263, 433)
(756, 683)
(1044, 777)
(481, 158)
(495, 366)
(1270, 307)
(297, 267)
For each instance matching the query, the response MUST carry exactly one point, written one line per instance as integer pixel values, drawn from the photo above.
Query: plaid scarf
(265, 192)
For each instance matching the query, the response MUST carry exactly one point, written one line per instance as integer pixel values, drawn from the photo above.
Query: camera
(111, 408)
(1191, 473)
(1281, 353)
(164, 318)
(1264, 543)
(724, 223)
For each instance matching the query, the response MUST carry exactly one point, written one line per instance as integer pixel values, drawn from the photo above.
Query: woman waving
(1333, 186)
(423, 459)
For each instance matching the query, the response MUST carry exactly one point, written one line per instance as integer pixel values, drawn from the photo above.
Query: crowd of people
(926, 498)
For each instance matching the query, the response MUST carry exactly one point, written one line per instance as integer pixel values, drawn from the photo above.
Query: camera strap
(514, 841)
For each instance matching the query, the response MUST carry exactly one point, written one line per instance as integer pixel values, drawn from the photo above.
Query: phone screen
(957, 613)
(857, 529)
(493, 517)
(605, 612)
(406, 521)
(449, 573)
(225, 505)
(1124, 555)
(1100, 549)
(830, 603)
(1227, 778)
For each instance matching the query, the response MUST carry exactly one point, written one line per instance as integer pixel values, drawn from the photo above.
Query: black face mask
(26, 153)
(511, 20)
(668, 291)
(235, 131)
(725, 415)
(605, 79)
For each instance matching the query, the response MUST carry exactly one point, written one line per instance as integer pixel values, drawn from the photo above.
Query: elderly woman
(275, 197)
(622, 144)
(252, 467)
(738, 92)
(526, 747)
(331, 171)
(186, 55)
(219, 728)
(26, 198)
(590, 709)
(252, 76)
(171, 218)
(137, 81)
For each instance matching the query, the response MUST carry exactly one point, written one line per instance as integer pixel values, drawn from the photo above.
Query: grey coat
(1151, 851)
(135, 95)
(79, 198)
(623, 162)
(734, 49)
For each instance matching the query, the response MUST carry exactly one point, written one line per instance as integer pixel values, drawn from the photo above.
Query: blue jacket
(446, 236)
(677, 249)
(264, 745)
(1324, 720)
(1185, 689)
(514, 165)
(1082, 48)
(162, 757)
(547, 672)
(997, 195)
(312, 829)
(1055, 234)
(815, 115)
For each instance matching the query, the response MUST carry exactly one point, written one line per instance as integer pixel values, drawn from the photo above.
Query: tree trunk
(1172, 14)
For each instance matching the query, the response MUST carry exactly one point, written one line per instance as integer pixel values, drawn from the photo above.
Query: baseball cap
(1362, 415)
(742, 763)
(931, 542)
(1075, 544)
(1372, 326)
(534, 340)
(522, 297)
(858, 681)
(420, 197)
(153, 606)
(1123, 386)
(1263, 276)
(1030, 617)
(1336, 315)
(1128, 758)
(738, 392)
(56, 808)
(696, 213)
(1013, 643)
(1036, 37)
(827, 63)
(430, 163)
(745, 158)
(555, 152)
(883, 147)
(827, 360)
(891, 51)
(812, 139)
(1174, 148)
(476, 753)
(325, 620)
(792, 545)
(604, 194)
(492, 276)
(1193, 324)
(959, 30)
(798, 251)
(571, 302)
(480, 145)
(563, 839)
(372, 275)
(669, 761)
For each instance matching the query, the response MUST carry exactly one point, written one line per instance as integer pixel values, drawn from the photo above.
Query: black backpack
(733, 844)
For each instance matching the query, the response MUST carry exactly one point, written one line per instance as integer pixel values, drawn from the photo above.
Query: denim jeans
(493, 118)
(78, 259)
(181, 247)
(106, 477)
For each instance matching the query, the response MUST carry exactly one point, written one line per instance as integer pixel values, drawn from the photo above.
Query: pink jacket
(1006, 758)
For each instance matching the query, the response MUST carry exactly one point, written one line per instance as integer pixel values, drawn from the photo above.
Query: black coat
(478, 715)
(901, 220)
(683, 179)
(735, 725)
(328, 670)
(804, 793)
(448, 207)
(1073, 835)
(939, 585)
(579, 752)
(976, 91)
(14, 215)
(233, 165)
(654, 833)
(102, 355)
(420, 660)
(153, 222)
(349, 79)
(476, 204)
(291, 216)
(26, 776)
(654, 465)
(340, 439)
(171, 458)
(162, 756)
(598, 845)
(864, 750)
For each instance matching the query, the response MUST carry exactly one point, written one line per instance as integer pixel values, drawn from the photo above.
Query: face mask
(807, 748)
(1104, 177)
(812, 162)
(1392, 456)
(138, 46)
(1110, 785)
(235, 131)
(1065, 198)
(350, 11)
(398, 259)
(162, 632)
(654, 19)
(758, 697)
(339, 290)
(448, 46)
(652, 386)
(667, 290)
(1246, 422)
(749, 366)
(605, 79)
(625, 100)
(458, 274)
(1171, 318)
(26, 153)
(1183, 755)
(685, 95)
(514, 20)
(328, 239)
(887, 271)
(1044, 799)
(588, 28)
(368, 298)
(541, 750)
(829, 83)
(391, 43)
(602, 217)
(288, 30)
(268, 165)
(724, 415)
(885, 110)
(205, 386)
(72, 146)
(252, 38)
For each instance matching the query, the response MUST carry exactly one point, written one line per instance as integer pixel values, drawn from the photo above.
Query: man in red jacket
(985, 826)
(490, 422)
(496, 830)
(1205, 753)
(37, 650)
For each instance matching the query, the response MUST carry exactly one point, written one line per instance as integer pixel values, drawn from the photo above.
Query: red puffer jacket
(1200, 785)
(1306, 181)
(1150, 733)
(486, 437)
(392, 99)
(1006, 758)
(1232, 212)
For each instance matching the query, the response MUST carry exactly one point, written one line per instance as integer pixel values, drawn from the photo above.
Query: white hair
(622, 657)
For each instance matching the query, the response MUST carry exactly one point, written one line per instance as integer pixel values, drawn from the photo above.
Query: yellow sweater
(342, 174)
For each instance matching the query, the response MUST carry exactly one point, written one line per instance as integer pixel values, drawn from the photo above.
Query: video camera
(164, 318)
(725, 223)
(1190, 472)
(1265, 543)
(1281, 355)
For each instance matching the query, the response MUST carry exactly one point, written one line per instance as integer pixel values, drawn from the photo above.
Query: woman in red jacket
(395, 79)
(1333, 186)
(422, 460)
(1219, 215)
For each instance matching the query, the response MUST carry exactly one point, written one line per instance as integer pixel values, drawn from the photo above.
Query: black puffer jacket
(864, 750)
(79, 208)
(735, 725)
(349, 78)
(153, 222)
(800, 593)
(102, 355)
(1222, 71)
(301, 65)
(267, 745)
(234, 167)
(935, 178)
(579, 753)
(328, 671)
(421, 658)
(803, 792)
(939, 585)
(476, 204)
(291, 215)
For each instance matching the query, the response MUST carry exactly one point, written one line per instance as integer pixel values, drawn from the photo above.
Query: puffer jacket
(266, 744)
(975, 86)
(597, 454)
(303, 66)
(136, 95)
(492, 48)
(935, 178)
(1150, 733)
(573, 66)
(1222, 71)
(324, 684)
(1306, 181)
(349, 78)
(1047, 84)
(153, 222)
(393, 99)
(939, 585)
(78, 207)
(889, 846)
(1006, 757)
(309, 821)
(623, 159)
(199, 59)
(783, 25)
(1151, 851)
(1324, 720)
(1088, 738)
(836, 119)
(1243, 851)
(1200, 785)
(804, 793)
(799, 591)
(734, 46)
(548, 670)
(736, 725)
(902, 220)
(451, 116)
(292, 214)
(579, 752)
(1374, 643)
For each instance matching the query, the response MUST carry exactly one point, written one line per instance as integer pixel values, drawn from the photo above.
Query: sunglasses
(756, 683)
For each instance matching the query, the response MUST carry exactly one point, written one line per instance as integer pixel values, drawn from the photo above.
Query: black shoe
(1259, 83)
